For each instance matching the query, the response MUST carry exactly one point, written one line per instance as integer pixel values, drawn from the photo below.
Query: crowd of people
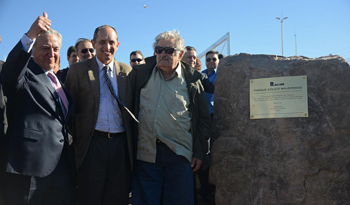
(99, 129)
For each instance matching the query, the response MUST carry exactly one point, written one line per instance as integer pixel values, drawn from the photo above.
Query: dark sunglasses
(136, 59)
(85, 50)
(168, 50)
(209, 59)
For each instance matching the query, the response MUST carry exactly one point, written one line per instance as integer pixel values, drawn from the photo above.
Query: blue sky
(322, 26)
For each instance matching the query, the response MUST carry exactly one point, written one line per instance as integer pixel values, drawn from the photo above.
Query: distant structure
(282, 19)
(225, 39)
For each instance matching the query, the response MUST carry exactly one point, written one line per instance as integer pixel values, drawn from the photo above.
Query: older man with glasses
(84, 48)
(174, 125)
(136, 58)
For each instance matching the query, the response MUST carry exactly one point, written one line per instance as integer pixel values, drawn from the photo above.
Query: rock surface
(286, 160)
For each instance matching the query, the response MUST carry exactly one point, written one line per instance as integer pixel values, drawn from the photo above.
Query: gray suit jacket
(36, 125)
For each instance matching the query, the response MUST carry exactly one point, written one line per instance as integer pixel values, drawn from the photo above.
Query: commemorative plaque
(280, 97)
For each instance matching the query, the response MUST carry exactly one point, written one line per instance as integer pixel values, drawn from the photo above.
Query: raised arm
(12, 75)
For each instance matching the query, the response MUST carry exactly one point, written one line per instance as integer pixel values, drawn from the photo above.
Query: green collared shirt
(164, 115)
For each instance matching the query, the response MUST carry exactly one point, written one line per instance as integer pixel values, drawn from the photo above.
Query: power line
(342, 49)
(343, 53)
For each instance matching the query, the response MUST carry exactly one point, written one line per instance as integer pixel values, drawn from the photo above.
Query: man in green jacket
(174, 125)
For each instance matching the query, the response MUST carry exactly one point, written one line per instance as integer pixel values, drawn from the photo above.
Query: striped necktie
(106, 69)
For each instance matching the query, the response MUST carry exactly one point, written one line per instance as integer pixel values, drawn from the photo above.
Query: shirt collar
(101, 65)
(212, 72)
(46, 72)
(177, 72)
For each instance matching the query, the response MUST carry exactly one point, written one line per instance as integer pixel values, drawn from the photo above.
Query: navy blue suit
(36, 140)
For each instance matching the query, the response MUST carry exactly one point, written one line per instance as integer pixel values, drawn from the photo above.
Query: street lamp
(296, 45)
(282, 19)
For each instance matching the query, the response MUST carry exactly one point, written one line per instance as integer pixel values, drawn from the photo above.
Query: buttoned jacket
(83, 83)
(36, 131)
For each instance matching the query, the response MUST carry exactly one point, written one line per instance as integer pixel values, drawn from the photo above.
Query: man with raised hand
(36, 167)
(101, 123)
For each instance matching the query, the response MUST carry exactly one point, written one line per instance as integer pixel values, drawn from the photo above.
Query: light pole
(296, 45)
(282, 19)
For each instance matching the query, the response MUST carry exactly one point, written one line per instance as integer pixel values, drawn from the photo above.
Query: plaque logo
(276, 84)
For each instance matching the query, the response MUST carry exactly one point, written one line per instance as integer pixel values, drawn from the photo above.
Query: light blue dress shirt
(210, 96)
(109, 117)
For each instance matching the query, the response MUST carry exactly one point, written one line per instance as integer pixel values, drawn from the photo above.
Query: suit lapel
(40, 74)
(190, 81)
(43, 78)
(70, 101)
(94, 78)
(121, 80)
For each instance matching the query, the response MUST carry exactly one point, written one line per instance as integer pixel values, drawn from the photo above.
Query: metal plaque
(281, 97)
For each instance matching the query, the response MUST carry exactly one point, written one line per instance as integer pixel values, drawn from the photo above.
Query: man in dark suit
(36, 168)
(100, 123)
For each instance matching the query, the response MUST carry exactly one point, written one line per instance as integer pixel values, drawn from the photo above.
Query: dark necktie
(110, 87)
(59, 91)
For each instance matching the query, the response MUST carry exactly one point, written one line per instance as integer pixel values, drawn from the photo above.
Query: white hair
(51, 32)
(175, 34)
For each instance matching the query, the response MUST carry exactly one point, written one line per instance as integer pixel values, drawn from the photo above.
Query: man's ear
(117, 45)
(181, 54)
(93, 43)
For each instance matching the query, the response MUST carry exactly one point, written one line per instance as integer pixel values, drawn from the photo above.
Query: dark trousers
(168, 181)
(104, 177)
(54, 189)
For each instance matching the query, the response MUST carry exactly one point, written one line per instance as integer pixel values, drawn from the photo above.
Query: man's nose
(51, 52)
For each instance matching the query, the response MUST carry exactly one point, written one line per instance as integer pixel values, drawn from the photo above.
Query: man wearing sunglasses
(174, 125)
(136, 58)
(84, 48)
(212, 62)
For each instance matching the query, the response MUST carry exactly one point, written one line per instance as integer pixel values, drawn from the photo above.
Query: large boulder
(282, 160)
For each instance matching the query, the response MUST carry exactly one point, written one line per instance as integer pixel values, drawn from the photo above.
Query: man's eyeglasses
(136, 59)
(168, 50)
(209, 59)
(85, 50)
